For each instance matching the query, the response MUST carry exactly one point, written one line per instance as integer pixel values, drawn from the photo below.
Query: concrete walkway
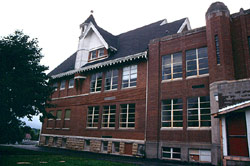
(100, 156)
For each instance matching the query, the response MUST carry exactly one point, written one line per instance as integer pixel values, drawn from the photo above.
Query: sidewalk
(100, 156)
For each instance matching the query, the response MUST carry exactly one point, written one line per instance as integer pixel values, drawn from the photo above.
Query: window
(58, 115)
(127, 116)
(198, 155)
(197, 62)
(172, 66)
(171, 113)
(55, 86)
(217, 48)
(71, 83)
(51, 113)
(93, 55)
(116, 147)
(55, 141)
(171, 153)
(86, 145)
(141, 150)
(111, 80)
(129, 76)
(199, 111)
(67, 115)
(62, 87)
(46, 140)
(96, 82)
(64, 141)
(248, 38)
(93, 115)
(105, 146)
(101, 52)
(108, 116)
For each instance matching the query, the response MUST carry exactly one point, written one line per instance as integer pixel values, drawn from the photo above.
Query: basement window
(171, 153)
(105, 146)
(116, 147)
(55, 141)
(46, 140)
(198, 155)
(64, 141)
(87, 145)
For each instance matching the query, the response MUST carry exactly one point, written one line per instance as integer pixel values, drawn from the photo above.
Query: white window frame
(91, 54)
(201, 153)
(171, 152)
(197, 64)
(172, 114)
(109, 114)
(127, 117)
(55, 85)
(99, 51)
(71, 86)
(114, 147)
(105, 151)
(87, 145)
(129, 69)
(95, 82)
(92, 117)
(65, 114)
(111, 80)
(58, 118)
(172, 67)
(199, 114)
(63, 82)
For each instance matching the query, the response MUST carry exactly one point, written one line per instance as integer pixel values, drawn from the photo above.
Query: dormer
(94, 43)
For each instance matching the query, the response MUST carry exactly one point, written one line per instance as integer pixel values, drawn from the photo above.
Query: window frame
(248, 40)
(55, 86)
(198, 153)
(217, 49)
(197, 58)
(172, 110)
(71, 86)
(93, 124)
(199, 115)
(129, 76)
(65, 118)
(109, 114)
(171, 67)
(111, 80)
(91, 54)
(127, 113)
(171, 152)
(99, 52)
(63, 82)
(95, 81)
(59, 118)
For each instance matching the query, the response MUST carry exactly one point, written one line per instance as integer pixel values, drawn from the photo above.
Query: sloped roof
(68, 64)
(128, 43)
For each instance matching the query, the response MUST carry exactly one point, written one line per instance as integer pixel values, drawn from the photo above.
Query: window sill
(94, 92)
(48, 128)
(170, 159)
(108, 128)
(65, 128)
(199, 76)
(58, 119)
(71, 87)
(198, 128)
(66, 119)
(57, 128)
(131, 87)
(91, 128)
(176, 79)
(111, 90)
(126, 128)
(171, 128)
(62, 89)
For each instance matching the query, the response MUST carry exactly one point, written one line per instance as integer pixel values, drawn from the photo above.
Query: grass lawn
(14, 156)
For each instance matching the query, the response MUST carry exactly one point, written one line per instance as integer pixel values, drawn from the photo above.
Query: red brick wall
(158, 90)
(79, 106)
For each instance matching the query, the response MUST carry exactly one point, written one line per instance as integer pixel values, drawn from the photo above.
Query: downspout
(146, 111)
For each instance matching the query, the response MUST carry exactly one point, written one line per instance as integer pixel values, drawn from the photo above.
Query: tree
(24, 85)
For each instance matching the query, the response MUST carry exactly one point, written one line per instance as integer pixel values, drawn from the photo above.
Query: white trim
(248, 129)
(91, 26)
(224, 135)
(96, 138)
(185, 23)
(80, 77)
(165, 21)
(100, 65)
(234, 106)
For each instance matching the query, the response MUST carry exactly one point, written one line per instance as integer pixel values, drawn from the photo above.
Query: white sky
(56, 22)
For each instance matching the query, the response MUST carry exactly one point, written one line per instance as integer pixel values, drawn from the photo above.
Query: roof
(127, 44)
(232, 108)
(67, 65)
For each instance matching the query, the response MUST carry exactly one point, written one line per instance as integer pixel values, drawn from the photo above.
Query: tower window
(248, 39)
(217, 48)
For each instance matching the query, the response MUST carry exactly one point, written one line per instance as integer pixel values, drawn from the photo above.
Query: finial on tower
(91, 11)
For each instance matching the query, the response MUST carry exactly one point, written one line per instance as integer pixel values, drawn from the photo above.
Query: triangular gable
(90, 27)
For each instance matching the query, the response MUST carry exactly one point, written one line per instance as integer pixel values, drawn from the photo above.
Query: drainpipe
(146, 111)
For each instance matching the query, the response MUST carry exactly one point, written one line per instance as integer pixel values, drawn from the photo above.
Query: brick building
(155, 91)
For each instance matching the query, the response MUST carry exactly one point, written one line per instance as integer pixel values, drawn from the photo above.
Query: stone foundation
(79, 143)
